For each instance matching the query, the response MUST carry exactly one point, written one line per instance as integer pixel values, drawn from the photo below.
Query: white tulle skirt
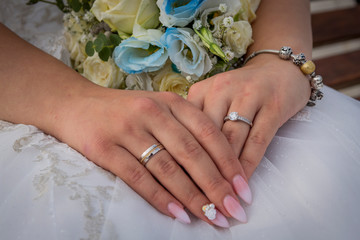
(306, 187)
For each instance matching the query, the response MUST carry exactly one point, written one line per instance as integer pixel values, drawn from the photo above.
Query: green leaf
(89, 48)
(105, 53)
(115, 39)
(86, 6)
(75, 5)
(99, 44)
(60, 4)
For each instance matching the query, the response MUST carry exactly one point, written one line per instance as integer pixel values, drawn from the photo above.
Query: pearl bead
(308, 67)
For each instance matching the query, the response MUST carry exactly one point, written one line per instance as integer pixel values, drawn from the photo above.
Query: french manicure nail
(179, 213)
(242, 189)
(235, 209)
(220, 220)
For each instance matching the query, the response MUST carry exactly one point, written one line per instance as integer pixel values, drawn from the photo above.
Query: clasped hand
(200, 162)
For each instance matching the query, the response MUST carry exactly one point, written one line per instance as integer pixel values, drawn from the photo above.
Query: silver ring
(150, 152)
(234, 116)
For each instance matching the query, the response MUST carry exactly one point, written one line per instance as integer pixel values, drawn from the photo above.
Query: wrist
(307, 67)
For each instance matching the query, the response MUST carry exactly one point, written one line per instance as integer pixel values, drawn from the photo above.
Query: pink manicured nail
(220, 220)
(179, 213)
(242, 189)
(235, 209)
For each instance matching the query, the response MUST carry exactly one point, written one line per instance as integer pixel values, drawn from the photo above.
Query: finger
(216, 107)
(197, 93)
(166, 170)
(193, 154)
(169, 174)
(237, 131)
(265, 126)
(123, 164)
(175, 179)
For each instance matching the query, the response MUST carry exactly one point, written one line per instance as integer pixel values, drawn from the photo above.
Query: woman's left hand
(267, 91)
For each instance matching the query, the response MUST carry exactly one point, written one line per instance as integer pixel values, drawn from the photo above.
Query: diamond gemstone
(233, 116)
(210, 212)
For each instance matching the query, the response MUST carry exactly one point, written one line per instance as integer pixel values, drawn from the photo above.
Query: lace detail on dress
(303, 115)
(65, 170)
(41, 25)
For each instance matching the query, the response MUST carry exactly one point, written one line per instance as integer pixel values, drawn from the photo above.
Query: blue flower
(178, 12)
(135, 55)
(185, 53)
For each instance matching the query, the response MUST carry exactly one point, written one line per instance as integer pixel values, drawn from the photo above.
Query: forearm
(283, 23)
(35, 87)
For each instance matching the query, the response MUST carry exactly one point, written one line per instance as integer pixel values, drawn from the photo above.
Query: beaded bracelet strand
(307, 67)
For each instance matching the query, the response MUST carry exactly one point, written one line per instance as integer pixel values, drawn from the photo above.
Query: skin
(96, 122)
(268, 90)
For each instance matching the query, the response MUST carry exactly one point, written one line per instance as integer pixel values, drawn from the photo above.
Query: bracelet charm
(306, 66)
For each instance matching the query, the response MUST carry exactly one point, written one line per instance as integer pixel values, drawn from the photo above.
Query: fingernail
(215, 216)
(220, 220)
(179, 213)
(235, 209)
(242, 189)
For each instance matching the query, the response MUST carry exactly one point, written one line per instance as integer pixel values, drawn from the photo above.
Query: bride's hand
(113, 128)
(267, 91)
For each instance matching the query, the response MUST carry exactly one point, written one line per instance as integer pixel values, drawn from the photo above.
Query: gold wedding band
(150, 152)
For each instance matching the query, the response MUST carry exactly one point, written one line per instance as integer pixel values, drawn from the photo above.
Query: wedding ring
(234, 116)
(209, 211)
(150, 152)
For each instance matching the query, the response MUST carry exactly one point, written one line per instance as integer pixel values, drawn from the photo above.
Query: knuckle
(215, 184)
(248, 163)
(165, 167)
(192, 149)
(147, 105)
(258, 139)
(227, 163)
(156, 197)
(136, 176)
(208, 129)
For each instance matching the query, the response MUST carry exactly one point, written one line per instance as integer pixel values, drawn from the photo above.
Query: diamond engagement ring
(150, 152)
(234, 116)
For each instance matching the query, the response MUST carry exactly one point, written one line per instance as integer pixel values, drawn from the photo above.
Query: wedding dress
(306, 187)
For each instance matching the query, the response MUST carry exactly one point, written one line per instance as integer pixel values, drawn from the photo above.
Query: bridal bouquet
(156, 45)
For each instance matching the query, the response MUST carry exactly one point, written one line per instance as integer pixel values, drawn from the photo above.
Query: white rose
(246, 11)
(122, 15)
(141, 81)
(74, 32)
(238, 37)
(239, 9)
(168, 80)
(105, 74)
